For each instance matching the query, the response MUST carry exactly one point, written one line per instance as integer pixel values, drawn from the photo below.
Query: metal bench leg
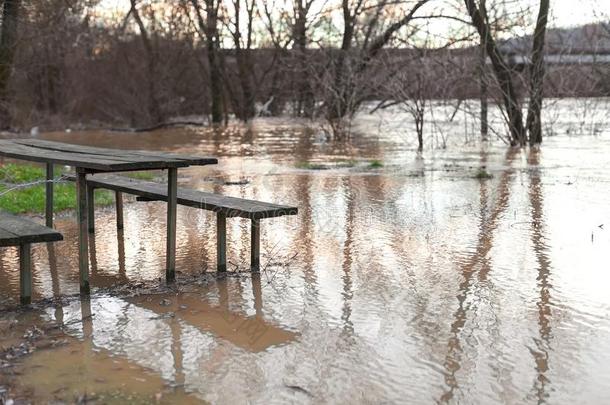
(83, 247)
(221, 241)
(49, 196)
(25, 273)
(172, 199)
(91, 208)
(255, 245)
(257, 292)
(118, 198)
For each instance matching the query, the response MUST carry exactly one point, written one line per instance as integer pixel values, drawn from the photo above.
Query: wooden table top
(94, 158)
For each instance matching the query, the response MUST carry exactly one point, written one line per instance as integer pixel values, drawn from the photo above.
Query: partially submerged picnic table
(90, 160)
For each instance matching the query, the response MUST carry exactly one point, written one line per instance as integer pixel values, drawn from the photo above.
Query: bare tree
(305, 96)
(208, 29)
(244, 103)
(156, 115)
(483, 84)
(8, 36)
(534, 124)
(503, 74)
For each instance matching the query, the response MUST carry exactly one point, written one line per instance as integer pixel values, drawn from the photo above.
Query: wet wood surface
(230, 206)
(16, 231)
(94, 158)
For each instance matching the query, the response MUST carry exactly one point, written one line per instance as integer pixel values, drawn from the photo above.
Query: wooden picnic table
(90, 160)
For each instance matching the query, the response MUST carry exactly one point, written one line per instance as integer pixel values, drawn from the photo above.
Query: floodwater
(471, 274)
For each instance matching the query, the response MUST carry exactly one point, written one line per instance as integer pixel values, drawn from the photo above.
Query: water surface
(471, 274)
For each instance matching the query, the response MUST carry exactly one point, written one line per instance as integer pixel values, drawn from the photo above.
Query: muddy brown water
(422, 281)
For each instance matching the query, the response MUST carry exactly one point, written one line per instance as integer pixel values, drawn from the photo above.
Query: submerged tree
(304, 105)
(8, 40)
(534, 121)
(503, 74)
(365, 33)
(208, 29)
(154, 110)
(506, 79)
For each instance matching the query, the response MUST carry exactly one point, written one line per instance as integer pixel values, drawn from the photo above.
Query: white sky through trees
(437, 31)
(565, 13)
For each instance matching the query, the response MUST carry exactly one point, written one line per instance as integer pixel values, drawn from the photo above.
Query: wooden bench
(18, 231)
(225, 207)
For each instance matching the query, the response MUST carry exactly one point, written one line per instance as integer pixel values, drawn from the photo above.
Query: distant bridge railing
(560, 59)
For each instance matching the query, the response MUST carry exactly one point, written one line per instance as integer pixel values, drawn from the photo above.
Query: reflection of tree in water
(478, 260)
(348, 293)
(56, 290)
(542, 349)
(305, 235)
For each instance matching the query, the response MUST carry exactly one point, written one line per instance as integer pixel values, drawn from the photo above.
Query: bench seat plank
(16, 231)
(230, 206)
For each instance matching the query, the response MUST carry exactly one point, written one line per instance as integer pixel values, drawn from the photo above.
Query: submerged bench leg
(25, 273)
(172, 199)
(118, 198)
(221, 241)
(91, 208)
(255, 245)
(81, 212)
(49, 196)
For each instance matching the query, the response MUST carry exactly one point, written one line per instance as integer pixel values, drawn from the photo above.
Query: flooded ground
(471, 274)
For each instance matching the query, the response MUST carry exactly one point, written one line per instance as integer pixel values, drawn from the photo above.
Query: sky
(577, 12)
(565, 13)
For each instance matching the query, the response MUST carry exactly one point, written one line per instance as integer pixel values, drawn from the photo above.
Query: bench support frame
(49, 196)
(118, 199)
(90, 208)
(221, 242)
(172, 201)
(81, 212)
(255, 245)
(25, 273)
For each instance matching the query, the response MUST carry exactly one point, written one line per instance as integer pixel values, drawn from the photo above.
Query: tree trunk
(209, 28)
(244, 68)
(8, 37)
(483, 95)
(305, 102)
(503, 75)
(340, 89)
(343, 98)
(537, 71)
(154, 111)
(419, 126)
(244, 109)
(215, 76)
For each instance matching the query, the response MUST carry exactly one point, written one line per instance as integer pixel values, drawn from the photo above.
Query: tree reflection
(542, 345)
(476, 264)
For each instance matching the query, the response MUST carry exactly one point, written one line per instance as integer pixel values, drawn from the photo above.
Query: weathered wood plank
(11, 149)
(127, 154)
(91, 160)
(230, 206)
(15, 231)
